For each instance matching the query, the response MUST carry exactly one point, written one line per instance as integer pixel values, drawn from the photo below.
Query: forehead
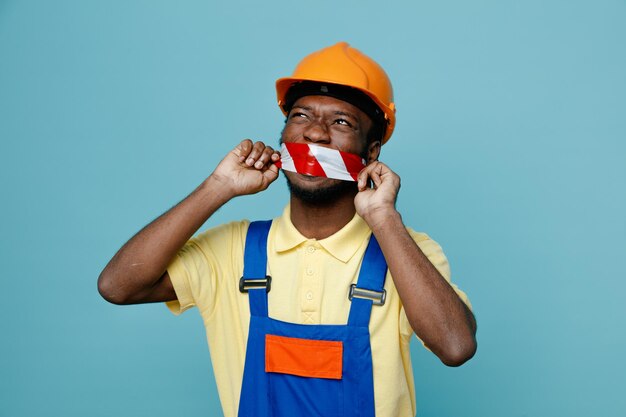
(331, 104)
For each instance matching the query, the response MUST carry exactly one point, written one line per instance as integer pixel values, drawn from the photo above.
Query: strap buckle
(378, 297)
(246, 284)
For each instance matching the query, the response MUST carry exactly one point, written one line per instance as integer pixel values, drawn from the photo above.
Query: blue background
(510, 145)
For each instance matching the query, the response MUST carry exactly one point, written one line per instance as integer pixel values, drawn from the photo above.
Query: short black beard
(323, 195)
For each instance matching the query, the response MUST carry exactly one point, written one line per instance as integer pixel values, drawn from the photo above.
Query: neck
(315, 221)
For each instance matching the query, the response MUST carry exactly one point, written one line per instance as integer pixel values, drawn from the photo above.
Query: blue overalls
(308, 370)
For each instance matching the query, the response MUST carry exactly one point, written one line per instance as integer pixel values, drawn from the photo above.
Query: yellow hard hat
(343, 65)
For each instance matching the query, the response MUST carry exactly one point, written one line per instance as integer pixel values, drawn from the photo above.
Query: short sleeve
(185, 270)
(435, 255)
(204, 260)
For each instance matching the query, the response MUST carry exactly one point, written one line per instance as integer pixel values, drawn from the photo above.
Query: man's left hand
(375, 204)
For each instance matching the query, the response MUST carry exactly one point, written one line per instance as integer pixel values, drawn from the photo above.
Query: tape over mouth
(320, 161)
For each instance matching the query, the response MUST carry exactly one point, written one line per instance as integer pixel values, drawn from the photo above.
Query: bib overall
(308, 370)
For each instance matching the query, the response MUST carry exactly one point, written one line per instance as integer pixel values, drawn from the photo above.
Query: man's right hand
(137, 273)
(247, 169)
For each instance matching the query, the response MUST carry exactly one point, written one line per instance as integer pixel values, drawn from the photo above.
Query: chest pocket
(304, 357)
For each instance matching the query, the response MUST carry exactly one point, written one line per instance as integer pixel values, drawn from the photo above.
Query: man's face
(336, 124)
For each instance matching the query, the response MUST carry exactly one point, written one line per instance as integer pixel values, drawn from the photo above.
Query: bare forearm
(137, 273)
(435, 311)
(141, 262)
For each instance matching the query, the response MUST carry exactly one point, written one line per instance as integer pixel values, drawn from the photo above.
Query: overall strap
(255, 281)
(369, 287)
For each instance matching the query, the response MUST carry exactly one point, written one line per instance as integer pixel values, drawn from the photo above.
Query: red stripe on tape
(304, 161)
(354, 163)
(320, 161)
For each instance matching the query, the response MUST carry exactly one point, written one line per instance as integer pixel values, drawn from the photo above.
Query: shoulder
(217, 242)
(235, 230)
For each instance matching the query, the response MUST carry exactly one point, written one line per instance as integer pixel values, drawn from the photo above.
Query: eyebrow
(336, 112)
(343, 113)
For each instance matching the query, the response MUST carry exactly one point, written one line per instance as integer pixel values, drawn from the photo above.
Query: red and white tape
(319, 161)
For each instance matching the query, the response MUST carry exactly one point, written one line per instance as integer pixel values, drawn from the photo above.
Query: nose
(316, 132)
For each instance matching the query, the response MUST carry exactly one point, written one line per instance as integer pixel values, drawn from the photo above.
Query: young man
(312, 313)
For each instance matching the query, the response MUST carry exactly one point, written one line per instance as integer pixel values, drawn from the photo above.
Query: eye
(297, 117)
(343, 122)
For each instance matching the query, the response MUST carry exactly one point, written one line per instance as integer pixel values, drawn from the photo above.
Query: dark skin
(329, 122)
(137, 273)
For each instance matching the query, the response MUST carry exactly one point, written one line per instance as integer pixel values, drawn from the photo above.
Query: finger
(271, 172)
(375, 175)
(255, 153)
(363, 178)
(365, 175)
(270, 175)
(264, 158)
(243, 149)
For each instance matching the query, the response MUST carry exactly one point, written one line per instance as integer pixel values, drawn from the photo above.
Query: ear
(373, 151)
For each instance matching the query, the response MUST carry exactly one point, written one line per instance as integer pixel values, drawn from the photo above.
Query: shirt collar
(342, 245)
